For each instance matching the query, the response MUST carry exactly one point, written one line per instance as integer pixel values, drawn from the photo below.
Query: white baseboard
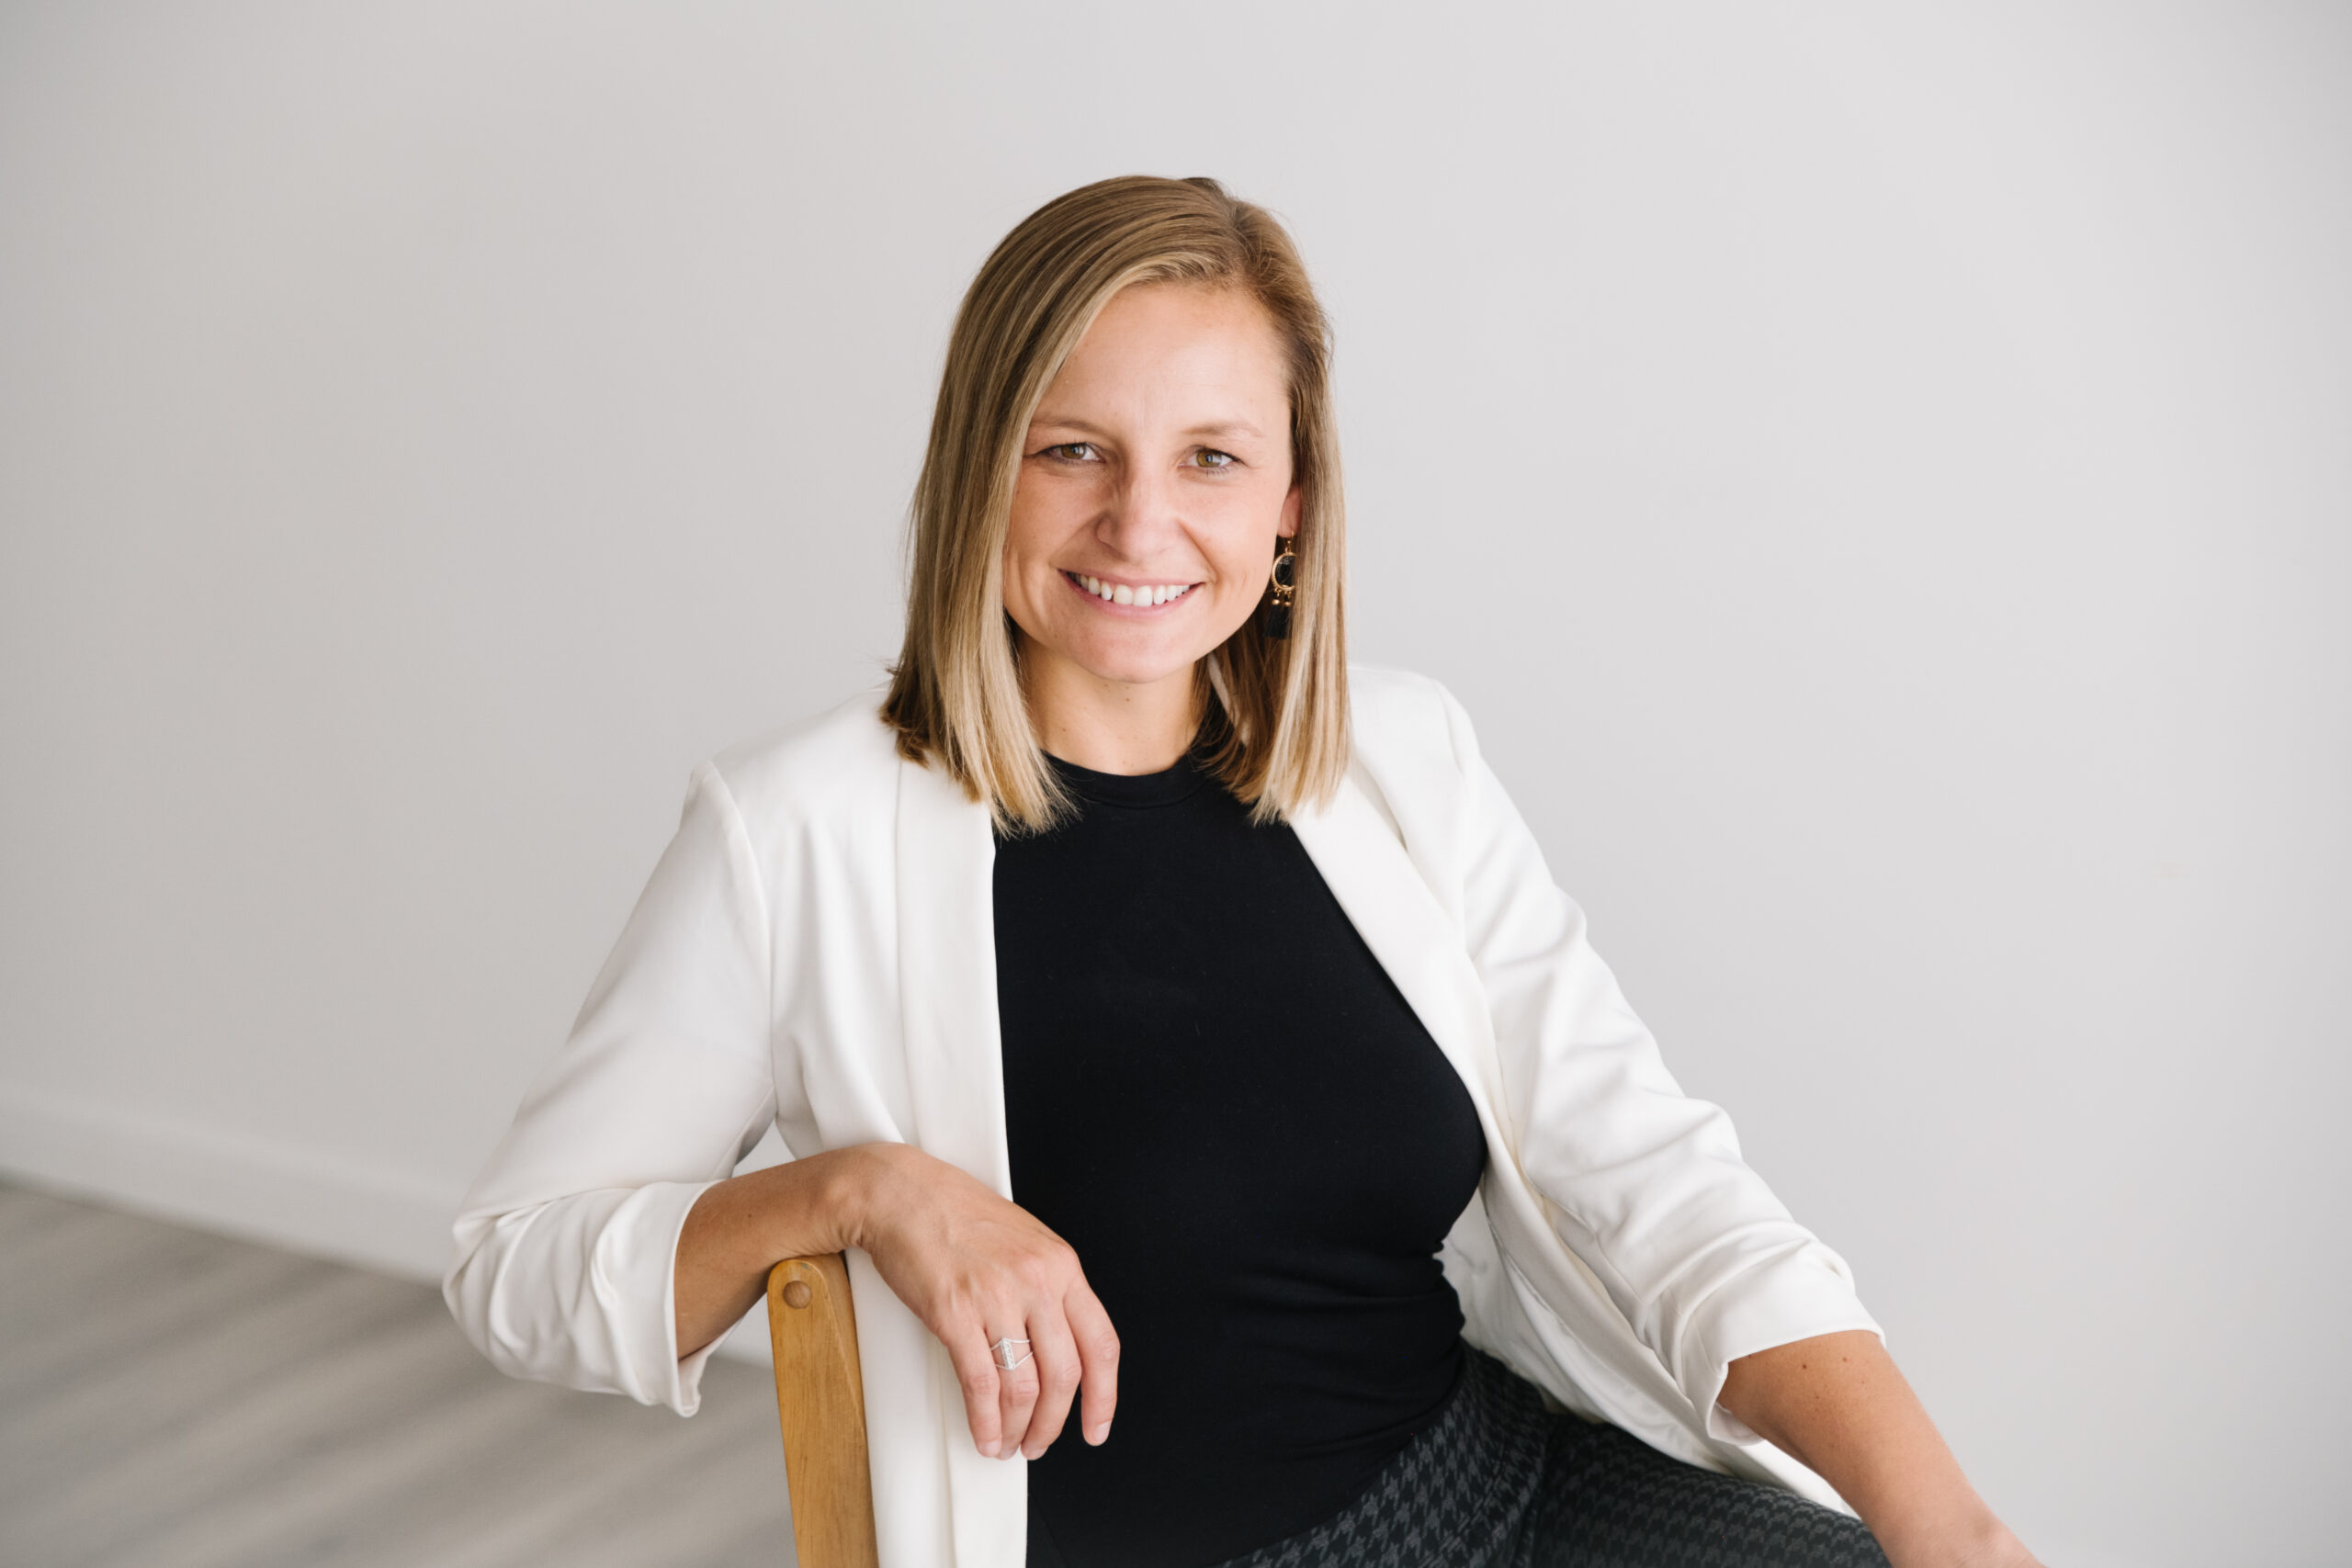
(247, 1188)
(237, 1185)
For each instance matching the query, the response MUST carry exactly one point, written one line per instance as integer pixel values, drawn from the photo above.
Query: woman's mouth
(1143, 595)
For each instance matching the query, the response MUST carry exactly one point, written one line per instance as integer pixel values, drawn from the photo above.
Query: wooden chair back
(820, 1399)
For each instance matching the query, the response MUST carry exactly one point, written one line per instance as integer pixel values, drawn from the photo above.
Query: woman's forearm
(1837, 1402)
(744, 1226)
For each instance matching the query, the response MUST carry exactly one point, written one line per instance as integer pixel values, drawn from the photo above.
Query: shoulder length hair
(1275, 711)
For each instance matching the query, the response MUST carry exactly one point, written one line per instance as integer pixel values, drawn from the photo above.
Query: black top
(1215, 1094)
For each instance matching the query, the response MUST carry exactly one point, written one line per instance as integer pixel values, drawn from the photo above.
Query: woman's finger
(1057, 1378)
(981, 1383)
(1016, 1385)
(1098, 1354)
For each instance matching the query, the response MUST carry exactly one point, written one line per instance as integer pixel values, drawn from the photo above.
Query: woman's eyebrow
(1213, 430)
(1044, 420)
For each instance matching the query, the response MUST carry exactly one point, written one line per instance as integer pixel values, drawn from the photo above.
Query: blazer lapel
(947, 975)
(947, 894)
(1363, 861)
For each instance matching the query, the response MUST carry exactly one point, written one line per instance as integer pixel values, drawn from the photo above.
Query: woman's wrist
(803, 1208)
(862, 1187)
(1971, 1537)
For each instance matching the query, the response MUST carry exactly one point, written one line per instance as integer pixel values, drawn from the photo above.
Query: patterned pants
(1501, 1483)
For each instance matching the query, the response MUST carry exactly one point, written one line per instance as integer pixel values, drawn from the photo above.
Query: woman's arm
(1648, 1186)
(972, 1266)
(564, 1246)
(605, 1245)
(1839, 1404)
(1645, 1184)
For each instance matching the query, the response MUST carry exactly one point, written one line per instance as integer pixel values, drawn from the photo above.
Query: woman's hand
(973, 1267)
(976, 1270)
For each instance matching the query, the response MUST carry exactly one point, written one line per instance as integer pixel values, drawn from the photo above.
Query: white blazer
(816, 951)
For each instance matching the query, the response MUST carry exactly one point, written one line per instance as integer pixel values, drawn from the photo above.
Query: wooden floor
(169, 1399)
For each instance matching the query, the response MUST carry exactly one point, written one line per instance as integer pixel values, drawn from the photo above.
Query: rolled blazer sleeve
(565, 1245)
(1641, 1182)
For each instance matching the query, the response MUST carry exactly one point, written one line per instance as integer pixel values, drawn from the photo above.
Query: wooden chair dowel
(820, 1399)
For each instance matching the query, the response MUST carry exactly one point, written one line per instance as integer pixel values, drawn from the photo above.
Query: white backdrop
(1880, 474)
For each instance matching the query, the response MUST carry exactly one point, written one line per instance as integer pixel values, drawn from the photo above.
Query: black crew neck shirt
(1218, 1098)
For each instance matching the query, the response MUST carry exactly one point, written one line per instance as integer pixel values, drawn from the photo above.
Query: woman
(1180, 1027)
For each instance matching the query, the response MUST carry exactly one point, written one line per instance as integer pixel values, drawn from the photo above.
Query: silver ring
(1005, 1359)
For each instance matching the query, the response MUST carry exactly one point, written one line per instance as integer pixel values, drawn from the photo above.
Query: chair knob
(796, 1293)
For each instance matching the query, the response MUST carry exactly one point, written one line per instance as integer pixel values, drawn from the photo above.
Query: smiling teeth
(1120, 594)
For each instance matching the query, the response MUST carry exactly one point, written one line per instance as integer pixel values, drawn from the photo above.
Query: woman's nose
(1142, 512)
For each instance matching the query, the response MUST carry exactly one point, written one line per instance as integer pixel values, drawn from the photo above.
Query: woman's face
(1154, 482)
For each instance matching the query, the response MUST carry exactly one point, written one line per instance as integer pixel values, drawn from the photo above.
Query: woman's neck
(1111, 727)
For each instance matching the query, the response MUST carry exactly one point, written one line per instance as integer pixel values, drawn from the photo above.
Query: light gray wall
(1880, 474)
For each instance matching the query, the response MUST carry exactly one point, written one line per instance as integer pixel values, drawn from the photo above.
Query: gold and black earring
(1277, 622)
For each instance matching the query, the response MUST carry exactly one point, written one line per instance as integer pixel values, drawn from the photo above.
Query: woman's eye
(1214, 459)
(1073, 451)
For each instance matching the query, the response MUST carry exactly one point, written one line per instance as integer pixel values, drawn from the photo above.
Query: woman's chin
(1122, 661)
(1140, 672)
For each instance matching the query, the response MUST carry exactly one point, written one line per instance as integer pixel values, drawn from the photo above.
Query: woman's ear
(1288, 528)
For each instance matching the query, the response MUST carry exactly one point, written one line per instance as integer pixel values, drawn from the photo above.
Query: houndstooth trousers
(1501, 1483)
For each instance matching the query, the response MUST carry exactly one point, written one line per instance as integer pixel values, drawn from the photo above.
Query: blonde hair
(1277, 711)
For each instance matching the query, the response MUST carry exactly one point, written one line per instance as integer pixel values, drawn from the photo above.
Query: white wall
(1881, 472)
